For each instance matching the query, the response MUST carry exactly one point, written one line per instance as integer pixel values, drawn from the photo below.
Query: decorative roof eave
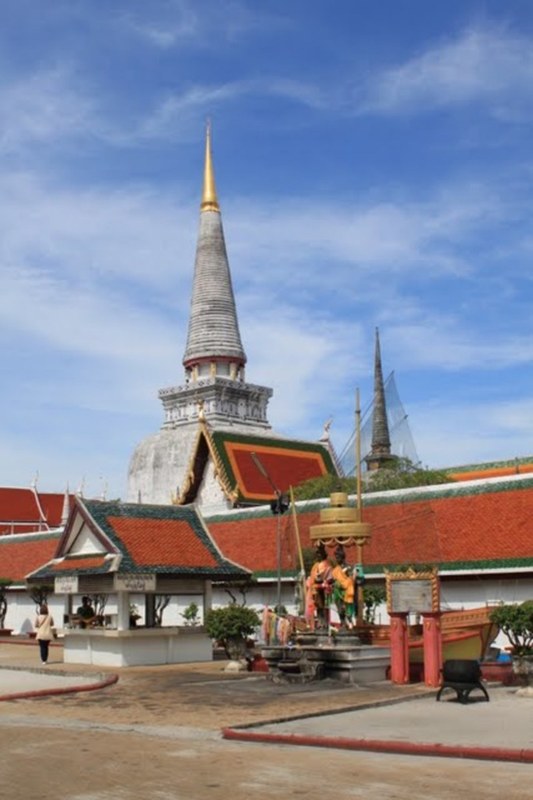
(328, 444)
(190, 474)
(225, 443)
(482, 567)
(30, 536)
(100, 535)
(48, 571)
(221, 475)
(463, 569)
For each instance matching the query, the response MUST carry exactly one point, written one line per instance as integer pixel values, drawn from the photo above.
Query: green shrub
(516, 622)
(230, 626)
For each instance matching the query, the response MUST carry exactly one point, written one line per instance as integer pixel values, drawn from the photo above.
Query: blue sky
(374, 168)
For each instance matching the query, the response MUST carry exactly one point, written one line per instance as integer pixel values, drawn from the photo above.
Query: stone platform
(317, 655)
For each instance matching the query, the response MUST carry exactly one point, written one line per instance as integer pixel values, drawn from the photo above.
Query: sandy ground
(156, 734)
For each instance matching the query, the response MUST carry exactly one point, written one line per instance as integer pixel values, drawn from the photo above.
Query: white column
(123, 609)
(208, 597)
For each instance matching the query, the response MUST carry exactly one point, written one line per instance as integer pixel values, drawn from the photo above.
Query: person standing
(44, 625)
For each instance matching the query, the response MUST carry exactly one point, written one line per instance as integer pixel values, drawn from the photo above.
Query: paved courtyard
(156, 733)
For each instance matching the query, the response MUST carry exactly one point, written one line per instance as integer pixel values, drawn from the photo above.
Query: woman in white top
(44, 625)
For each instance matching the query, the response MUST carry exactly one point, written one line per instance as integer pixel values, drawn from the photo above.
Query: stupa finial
(209, 194)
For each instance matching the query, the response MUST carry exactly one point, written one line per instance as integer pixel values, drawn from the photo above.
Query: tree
(315, 488)
(403, 474)
(373, 597)
(399, 474)
(161, 602)
(39, 592)
(239, 586)
(231, 626)
(4, 584)
(516, 622)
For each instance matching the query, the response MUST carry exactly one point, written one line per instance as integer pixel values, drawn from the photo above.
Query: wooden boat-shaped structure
(465, 634)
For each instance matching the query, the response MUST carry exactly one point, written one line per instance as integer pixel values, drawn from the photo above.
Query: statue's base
(318, 655)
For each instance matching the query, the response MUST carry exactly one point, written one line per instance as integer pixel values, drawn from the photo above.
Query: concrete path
(501, 729)
(24, 683)
(23, 676)
(248, 707)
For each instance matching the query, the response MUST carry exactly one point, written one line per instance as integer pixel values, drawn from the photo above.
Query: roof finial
(66, 507)
(209, 194)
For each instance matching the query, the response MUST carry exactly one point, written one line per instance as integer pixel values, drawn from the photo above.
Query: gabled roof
(288, 462)
(23, 553)
(133, 538)
(471, 527)
(23, 510)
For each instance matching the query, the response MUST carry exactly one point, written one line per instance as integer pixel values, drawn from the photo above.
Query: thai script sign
(134, 583)
(412, 591)
(411, 595)
(66, 584)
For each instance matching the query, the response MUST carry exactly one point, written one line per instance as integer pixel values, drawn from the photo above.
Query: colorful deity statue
(344, 589)
(319, 590)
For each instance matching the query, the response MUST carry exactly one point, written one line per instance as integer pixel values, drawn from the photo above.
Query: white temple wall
(159, 465)
(465, 593)
(210, 498)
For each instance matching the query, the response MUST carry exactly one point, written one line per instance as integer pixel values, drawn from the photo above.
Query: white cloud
(303, 357)
(43, 107)
(459, 434)
(396, 237)
(485, 65)
(186, 23)
(113, 268)
(102, 277)
(99, 233)
(183, 24)
(445, 343)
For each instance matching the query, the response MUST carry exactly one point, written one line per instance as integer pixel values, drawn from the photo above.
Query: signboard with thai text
(66, 584)
(411, 595)
(134, 583)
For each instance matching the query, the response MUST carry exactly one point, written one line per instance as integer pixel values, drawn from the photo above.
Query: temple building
(216, 446)
(203, 489)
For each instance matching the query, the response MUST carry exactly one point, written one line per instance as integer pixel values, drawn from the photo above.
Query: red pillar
(399, 649)
(432, 649)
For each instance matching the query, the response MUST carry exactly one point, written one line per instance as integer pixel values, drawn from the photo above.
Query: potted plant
(191, 614)
(134, 615)
(516, 622)
(231, 626)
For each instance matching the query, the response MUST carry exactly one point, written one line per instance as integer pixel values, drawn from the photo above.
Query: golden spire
(209, 195)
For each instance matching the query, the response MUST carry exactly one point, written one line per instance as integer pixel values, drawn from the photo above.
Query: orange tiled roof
(21, 554)
(149, 538)
(163, 542)
(483, 527)
(82, 562)
(288, 462)
(19, 510)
